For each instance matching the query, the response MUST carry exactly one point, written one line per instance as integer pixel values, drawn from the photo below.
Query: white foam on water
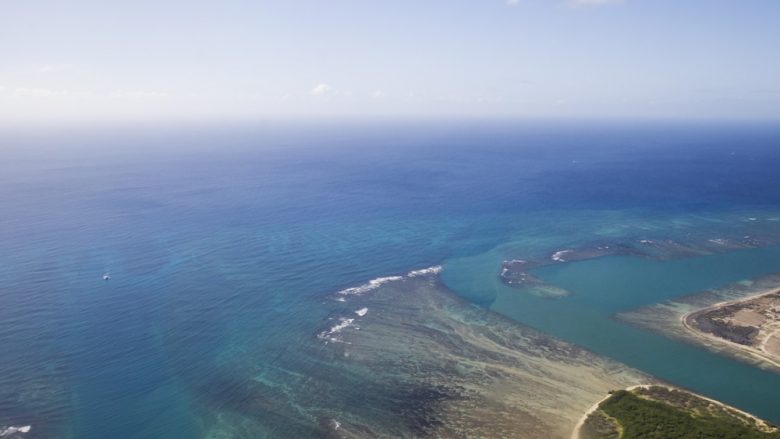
(436, 269)
(558, 256)
(718, 241)
(332, 333)
(7, 431)
(378, 282)
(368, 286)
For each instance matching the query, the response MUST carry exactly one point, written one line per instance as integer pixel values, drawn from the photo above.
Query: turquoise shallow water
(619, 283)
(604, 286)
(224, 243)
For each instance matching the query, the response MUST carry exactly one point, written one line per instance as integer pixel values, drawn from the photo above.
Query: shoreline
(670, 318)
(727, 344)
(576, 433)
(434, 274)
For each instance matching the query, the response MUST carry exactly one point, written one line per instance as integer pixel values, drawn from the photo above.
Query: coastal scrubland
(657, 412)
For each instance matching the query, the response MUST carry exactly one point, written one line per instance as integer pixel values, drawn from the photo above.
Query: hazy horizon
(518, 59)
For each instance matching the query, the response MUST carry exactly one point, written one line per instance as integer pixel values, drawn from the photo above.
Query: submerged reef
(697, 238)
(442, 367)
(407, 358)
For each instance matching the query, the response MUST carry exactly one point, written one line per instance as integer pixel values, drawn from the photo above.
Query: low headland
(659, 411)
(751, 324)
(741, 320)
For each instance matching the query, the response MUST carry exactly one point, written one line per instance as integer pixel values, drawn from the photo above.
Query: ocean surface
(222, 247)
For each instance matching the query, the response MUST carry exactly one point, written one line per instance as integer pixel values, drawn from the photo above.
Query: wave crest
(378, 282)
(332, 333)
(368, 286)
(436, 269)
(8, 431)
(559, 255)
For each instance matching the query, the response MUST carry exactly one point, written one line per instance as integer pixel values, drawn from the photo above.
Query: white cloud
(378, 94)
(512, 2)
(322, 89)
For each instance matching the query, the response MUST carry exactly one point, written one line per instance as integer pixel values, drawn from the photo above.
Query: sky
(85, 60)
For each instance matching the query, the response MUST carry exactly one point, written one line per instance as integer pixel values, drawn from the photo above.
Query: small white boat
(106, 276)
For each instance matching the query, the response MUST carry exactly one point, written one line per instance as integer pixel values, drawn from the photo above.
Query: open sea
(158, 280)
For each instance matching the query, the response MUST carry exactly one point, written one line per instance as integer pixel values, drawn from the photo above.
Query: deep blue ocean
(221, 243)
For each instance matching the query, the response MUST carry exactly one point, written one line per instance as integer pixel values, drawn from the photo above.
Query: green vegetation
(640, 417)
